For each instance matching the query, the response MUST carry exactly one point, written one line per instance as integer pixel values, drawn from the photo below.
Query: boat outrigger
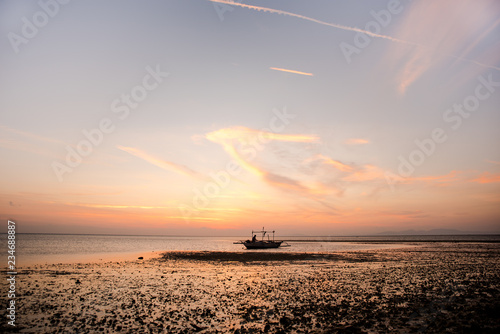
(261, 243)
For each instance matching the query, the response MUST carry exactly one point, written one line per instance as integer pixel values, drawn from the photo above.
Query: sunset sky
(199, 117)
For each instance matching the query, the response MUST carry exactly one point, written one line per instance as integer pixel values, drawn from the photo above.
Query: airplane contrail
(164, 164)
(290, 71)
(339, 26)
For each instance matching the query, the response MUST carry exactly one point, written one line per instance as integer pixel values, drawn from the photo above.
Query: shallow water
(57, 248)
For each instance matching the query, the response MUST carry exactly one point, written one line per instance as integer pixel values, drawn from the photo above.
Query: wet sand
(432, 288)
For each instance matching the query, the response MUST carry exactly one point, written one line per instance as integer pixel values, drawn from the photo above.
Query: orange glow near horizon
(340, 204)
(217, 217)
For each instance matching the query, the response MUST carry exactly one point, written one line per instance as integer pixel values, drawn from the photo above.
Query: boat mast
(263, 234)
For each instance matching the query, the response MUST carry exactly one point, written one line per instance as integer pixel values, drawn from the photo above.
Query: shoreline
(48, 259)
(85, 258)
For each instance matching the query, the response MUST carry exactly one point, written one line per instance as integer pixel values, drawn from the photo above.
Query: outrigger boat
(255, 243)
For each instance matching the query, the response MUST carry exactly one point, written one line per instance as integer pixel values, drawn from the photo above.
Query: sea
(32, 249)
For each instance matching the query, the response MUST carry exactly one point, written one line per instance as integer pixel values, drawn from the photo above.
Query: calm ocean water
(56, 248)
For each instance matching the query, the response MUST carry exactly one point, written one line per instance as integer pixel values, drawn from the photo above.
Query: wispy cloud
(30, 135)
(111, 206)
(493, 162)
(482, 35)
(283, 182)
(195, 218)
(436, 180)
(438, 36)
(321, 178)
(290, 71)
(335, 163)
(242, 133)
(18, 140)
(405, 214)
(487, 177)
(364, 173)
(225, 138)
(164, 164)
(229, 138)
(356, 141)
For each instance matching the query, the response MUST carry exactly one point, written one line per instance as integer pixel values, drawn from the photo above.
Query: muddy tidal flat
(428, 288)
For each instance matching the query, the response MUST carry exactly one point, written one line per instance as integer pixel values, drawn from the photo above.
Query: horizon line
(381, 234)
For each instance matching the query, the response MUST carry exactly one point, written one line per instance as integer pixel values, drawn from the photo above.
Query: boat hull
(262, 244)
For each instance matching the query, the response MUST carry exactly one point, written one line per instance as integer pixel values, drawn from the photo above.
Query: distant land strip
(406, 239)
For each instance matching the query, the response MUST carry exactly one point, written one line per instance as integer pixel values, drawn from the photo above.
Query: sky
(198, 117)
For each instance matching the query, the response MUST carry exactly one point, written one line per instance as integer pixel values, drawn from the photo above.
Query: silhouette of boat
(261, 242)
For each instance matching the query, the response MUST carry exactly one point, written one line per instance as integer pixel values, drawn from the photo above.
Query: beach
(423, 287)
